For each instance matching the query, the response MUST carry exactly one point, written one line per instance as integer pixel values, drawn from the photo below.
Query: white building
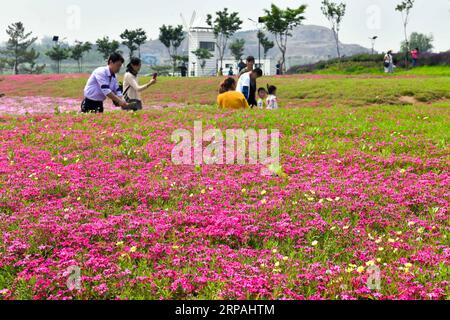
(202, 38)
(268, 66)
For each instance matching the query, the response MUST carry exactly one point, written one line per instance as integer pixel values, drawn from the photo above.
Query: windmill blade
(194, 15)
(184, 23)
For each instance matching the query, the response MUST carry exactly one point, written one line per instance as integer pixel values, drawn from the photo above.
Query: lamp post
(373, 39)
(193, 71)
(257, 24)
(56, 41)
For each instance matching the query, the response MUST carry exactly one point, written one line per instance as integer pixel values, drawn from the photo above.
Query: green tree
(2, 64)
(107, 47)
(172, 38)
(141, 38)
(58, 54)
(78, 51)
(202, 55)
(33, 68)
(129, 38)
(265, 43)
(224, 25)
(405, 8)
(334, 12)
(418, 40)
(280, 23)
(19, 49)
(237, 49)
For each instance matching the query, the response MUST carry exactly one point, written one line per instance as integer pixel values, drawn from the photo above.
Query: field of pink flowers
(361, 187)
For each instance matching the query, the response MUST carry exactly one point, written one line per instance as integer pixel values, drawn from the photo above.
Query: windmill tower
(200, 37)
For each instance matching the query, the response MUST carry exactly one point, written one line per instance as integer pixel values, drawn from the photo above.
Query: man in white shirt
(247, 85)
(103, 84)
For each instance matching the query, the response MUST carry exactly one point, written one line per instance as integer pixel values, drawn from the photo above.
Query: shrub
(370, 61)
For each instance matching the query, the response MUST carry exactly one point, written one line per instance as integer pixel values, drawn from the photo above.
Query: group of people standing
(242, 94)
(389, 64)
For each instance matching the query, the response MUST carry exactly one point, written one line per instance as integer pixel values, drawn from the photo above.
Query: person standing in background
(415, 57)
(241, 66)
(389, 62)
(278, 66)
(249, 67)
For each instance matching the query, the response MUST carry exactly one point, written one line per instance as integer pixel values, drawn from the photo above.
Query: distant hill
(308, 44)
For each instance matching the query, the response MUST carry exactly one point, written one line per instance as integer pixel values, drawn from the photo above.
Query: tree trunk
(283, 62)
(336, 38)
(407, 46)
(16, 67)
(174, 64)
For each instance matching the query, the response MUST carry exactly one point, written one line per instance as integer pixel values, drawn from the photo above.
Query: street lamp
(259, 40)
(193, 71)
(373, 39)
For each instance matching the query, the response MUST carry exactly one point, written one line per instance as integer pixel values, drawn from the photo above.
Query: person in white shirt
(247, 85)
(131, 87)
(262, 98)
(103, 84)
(389, 62)
(272, 101)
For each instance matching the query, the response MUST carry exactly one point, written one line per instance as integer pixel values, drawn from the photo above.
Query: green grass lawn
(424, 84)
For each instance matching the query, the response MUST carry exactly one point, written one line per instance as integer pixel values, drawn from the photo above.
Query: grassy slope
(430, 84)
(374, 69)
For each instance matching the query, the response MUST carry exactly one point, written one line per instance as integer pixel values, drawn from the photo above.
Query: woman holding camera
(131, 87)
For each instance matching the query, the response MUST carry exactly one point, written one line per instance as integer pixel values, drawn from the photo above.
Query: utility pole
(373, 39)
(257, 24)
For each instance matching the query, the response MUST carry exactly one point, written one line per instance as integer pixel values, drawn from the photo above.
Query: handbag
(135, 103)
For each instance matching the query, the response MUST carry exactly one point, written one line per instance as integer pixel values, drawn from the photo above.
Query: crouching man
(103, 84)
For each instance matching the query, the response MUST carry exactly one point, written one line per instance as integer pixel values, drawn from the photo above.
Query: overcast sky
(87, 20)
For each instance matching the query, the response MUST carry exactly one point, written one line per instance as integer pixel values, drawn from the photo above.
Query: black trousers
(91, 106)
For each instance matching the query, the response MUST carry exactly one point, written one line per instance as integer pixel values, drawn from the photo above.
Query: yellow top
(232, 100)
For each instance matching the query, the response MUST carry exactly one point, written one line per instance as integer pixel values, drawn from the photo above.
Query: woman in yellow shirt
(229, 98)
